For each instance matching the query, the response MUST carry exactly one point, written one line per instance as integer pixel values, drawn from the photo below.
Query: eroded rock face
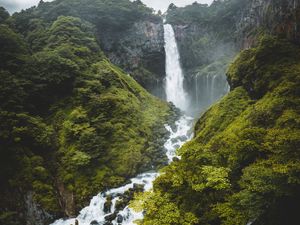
(35, 215)
(275, 17)
(209, 46)
(139, 51)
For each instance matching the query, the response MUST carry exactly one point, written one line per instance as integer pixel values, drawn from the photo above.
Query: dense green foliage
(243, 165)
(72, 123)
(218, 12)
(106, 15)
(111, 20)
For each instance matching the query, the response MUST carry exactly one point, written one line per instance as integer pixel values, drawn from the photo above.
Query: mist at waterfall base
(205, 90)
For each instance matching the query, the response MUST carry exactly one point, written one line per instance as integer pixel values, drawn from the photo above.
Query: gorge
(111, 113)
(103, 208)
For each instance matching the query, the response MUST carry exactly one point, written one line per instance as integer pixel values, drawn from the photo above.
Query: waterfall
(196, 88)
(212, 89)
(174, 76)
(95, 213)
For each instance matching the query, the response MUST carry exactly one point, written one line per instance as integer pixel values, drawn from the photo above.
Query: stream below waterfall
(101, 213)
(95, 213)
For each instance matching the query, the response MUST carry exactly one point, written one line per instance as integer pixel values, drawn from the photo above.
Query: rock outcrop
(139, 50)
(209, 37)
(274, 17)
(35, 215)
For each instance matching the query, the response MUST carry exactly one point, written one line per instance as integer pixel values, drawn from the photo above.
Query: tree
(3, 14)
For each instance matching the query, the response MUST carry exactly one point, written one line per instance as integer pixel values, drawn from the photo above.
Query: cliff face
(209, 37)
(274, 17)
(139, 51)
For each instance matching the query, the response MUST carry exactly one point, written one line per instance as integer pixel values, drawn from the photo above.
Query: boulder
(138, 187)
(107, 205)
(120, 218)
(110, 217)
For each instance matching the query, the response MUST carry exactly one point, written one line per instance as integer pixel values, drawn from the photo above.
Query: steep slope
(243, 164)
(72, 123)
(128, 32)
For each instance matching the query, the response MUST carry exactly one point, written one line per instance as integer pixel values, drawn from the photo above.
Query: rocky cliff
(210, 36)
(139, 51)
(274, 17)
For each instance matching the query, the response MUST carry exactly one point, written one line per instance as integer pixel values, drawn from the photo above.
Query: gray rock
(35, 215)
(107, 205)
(110, 217)
(119, 218)
(94, 222)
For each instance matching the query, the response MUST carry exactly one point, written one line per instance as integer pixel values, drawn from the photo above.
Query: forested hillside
(243, 164)
(129, 33)
(72, 123)
(77, 117)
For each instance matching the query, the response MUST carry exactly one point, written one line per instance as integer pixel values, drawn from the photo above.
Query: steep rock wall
(140, 52)
(209, 37)
(274, 17)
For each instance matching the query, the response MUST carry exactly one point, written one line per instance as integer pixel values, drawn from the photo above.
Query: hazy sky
(163, 4)
(17, 5)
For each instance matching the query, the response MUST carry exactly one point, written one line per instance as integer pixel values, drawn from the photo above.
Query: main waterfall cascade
(203, 89)
(174, 76)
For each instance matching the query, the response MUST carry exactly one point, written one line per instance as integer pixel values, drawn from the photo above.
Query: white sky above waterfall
(163, 4)
(17, 5)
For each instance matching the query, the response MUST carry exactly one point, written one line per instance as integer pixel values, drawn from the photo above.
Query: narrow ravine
(99, 212)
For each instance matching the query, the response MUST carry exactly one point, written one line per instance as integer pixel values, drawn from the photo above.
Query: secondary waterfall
(97, 213)
(174, 76)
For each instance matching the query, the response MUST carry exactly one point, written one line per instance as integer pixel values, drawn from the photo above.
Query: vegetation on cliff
(113, 22)
(208, 33)
(72, 123)
(243, 164)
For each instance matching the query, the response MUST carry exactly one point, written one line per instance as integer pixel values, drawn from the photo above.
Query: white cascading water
(174, 80)
(94, 214)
